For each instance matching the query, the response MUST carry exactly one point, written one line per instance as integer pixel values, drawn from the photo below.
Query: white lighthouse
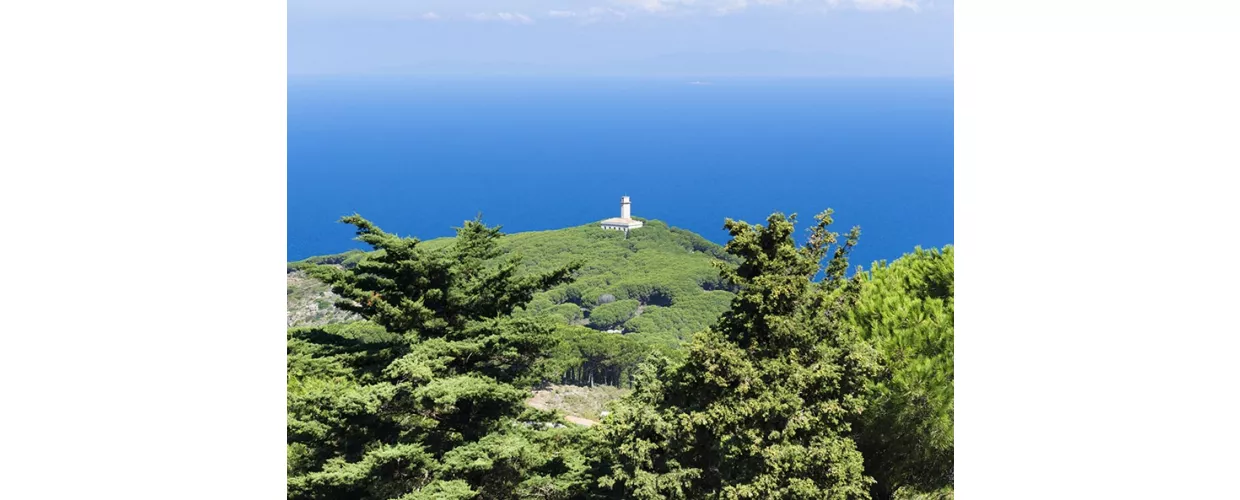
(625, 221)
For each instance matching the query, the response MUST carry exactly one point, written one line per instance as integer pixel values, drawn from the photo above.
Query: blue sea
(418, 157)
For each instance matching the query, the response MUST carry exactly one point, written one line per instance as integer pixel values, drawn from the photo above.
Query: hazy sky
(621, 37)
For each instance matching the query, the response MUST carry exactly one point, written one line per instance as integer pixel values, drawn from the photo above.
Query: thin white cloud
(729, 6)
(886, 4)
(723, 7)
(651, 5)
(517, 18)
(620, 10)
(507, 17)
(589, 16)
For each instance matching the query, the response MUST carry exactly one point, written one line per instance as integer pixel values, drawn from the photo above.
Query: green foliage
(611, 315)
(569, 312)
(690, 315)
(412, 402)
(347, 260)
(908, 493)
(589, 357)
(906, 310)
(656, 265)
(407, 288)
(523, 463)
(795, 382)
(761, 407)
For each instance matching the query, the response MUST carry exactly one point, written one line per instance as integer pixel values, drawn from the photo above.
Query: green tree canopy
(761, 407)
(906, 310)
(406, 288)
(658, 266)
(416, 401)
(613, 314)
(800, 381)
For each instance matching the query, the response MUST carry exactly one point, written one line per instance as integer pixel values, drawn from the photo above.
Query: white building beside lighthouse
(624, 222)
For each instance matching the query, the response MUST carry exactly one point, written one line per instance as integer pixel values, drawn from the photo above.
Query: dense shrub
(609, 316)
(689, 316)
(569, 312)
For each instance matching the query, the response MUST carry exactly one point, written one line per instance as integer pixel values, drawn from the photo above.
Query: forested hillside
(763, 369)
(657, 284)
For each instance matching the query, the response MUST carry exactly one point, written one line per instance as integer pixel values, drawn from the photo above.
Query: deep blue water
(419, 157)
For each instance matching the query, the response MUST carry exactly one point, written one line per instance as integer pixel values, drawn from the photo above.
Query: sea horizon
(419, 155)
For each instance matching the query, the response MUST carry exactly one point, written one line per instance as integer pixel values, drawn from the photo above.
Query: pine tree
(906, 309)
(425, 398)
(762, 406)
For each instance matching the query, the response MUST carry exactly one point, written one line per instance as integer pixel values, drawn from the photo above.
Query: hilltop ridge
(658, 282)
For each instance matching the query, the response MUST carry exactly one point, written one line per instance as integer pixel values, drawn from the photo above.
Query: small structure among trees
(624, 222)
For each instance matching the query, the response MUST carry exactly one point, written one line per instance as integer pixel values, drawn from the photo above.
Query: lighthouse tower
(625, 221)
